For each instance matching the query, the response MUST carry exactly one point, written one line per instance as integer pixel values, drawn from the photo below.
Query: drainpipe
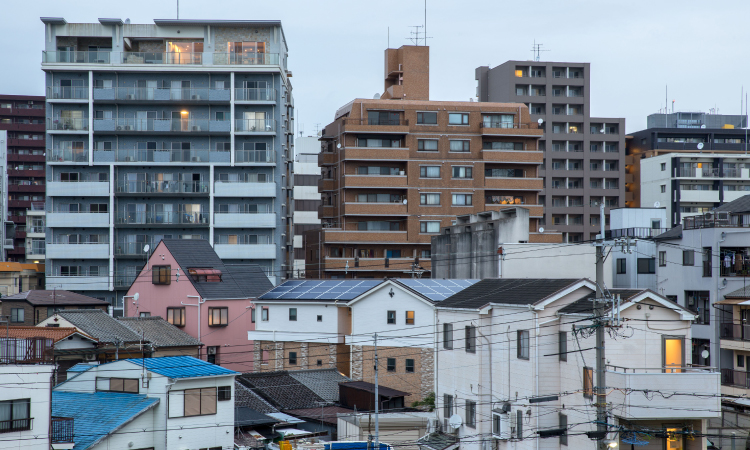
(200, 302)
(537, 325)
(166, 412)
(489, 346)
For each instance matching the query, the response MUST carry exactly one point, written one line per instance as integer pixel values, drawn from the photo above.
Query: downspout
(166, 412)
(435, 365)
(537, 325)
(489, 346)
(200, 302)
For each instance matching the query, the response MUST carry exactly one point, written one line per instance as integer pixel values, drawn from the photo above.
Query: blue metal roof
(436, 290)
(182, 367)
(80, 368)
(99, 414)
(320, 290)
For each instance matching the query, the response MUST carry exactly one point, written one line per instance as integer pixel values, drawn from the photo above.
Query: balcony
(375, 153)
(78, 189)
(63, 431)
(255, 126)
(67, 155)
(145, 95)
(327, 158)
(154, 218)
(255, 156)
(78, 251)
(243, 251)
(687, 379)
(162, 187)
(36, 350)
(490, 128)
(163, 155)
(376, 181)
(22, 126)
(699, 196)
(68, 92)
(75, 57)
(189, 58)
(77, 125)
(326, 184)
(245, 220)
(376, 126)
(124, 280)
(77, 219)
(513, 183)
(376, 237)
(244, 189)
(513, 156)
(135, 126)
(374, 209)
(26, 142)
(246, 59)
(255, 95)
(132, 248)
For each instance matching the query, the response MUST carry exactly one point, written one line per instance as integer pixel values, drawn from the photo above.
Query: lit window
(410, 317)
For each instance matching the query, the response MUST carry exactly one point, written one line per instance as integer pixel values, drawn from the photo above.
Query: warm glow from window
(673, 355)
(519, 73)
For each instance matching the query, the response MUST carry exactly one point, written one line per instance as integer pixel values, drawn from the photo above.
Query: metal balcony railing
(254, 156)
(7, 426)
(68, 92)
(738, 378)
(68, 124)
(161, 218)
(163, 93)
(63, 430)
(162, 187)
(76, 57)
(165, 155)
(255, 125)
(255, 94)
(25, 351)
(162, 58)
(67, 155)
(252, 59)
(157, 125)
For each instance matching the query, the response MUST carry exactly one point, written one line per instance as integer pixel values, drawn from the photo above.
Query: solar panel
(437, 290)
(320, 290)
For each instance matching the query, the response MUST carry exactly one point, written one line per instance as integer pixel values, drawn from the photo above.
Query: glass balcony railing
(188, 58)
(162, 187)
(255, 125)
(161, 217)
(246, 58)
(76, 57)
(166, 155)
(68, 124)
(254, 156)
(162, 58)
(124, 280)
(255, 94)
(156, 125)
(131, 248)
(68, 92)
(67, 155)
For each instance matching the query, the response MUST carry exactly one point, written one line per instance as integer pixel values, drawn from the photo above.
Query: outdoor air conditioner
(196, 97)
(129, 158)
(128, 127)
(130, 97)
(196, 128)
(194, 159)
(119, 127)
(89, 357)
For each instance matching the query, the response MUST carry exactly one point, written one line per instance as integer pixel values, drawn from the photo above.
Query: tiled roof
(324, 382)
(100, 325)
(181, 367)
(586, 305)
(159, 332)
(244, 396)
(244, 416)
(438, 441)
(740, 205)
(99, 414)
(327, 414)
(81, 367)
(743, 292)
(56, 298)
(18, 267)
(369, 387)
(513, 291)
(56, 334)
(281, 390)
(247, 281)
(674, 233)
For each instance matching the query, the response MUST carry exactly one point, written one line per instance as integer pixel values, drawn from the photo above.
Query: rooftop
(510, 291)
(741, 205)
(181, 367)
(281, 390)
(435, 290)
(585, 305)
(246, 397)
(54, 333)
(320, 290)
(55, 298)
(324, 382)
(327, 414)
(244, 416)
(159, 332)
(100, 325)
(369, 387)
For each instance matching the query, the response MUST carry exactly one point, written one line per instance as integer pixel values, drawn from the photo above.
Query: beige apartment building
(398, 168)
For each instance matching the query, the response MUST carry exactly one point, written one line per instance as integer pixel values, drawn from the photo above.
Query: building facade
(23, 117)
(584, 156)
(396, 171)
(306, 197)
(7, 229)
(633, 259)
(180, 129)
(695, 120)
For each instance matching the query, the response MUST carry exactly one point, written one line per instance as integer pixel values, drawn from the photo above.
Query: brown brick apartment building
(397, 169)
(23, 117)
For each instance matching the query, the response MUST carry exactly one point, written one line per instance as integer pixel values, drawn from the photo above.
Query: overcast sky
(635, 47)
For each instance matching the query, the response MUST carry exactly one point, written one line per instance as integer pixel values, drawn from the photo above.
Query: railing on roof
(720, 219)
(635, 232)
(62, 430)
(35, 350)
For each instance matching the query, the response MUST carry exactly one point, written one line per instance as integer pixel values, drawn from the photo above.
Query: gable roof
(324, 382)
(320, 290)
(100, 325)
(54, 333)
(435, 290)
(247, 281)
(100, 414)
(585, 305)
(55, 298)
(246, 397)
(629, 297)
(159, 332)
(674, 233)
(743, 292)
(510, 291)
(740, 205)
(281, 390)
(370, 387)
(181, 367)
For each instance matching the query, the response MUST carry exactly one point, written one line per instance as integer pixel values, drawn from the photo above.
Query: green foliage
(428, 402)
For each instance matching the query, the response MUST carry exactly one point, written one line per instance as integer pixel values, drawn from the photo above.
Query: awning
(212, 275)
(733, 301)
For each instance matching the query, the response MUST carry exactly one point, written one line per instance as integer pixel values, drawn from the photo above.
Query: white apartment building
(511, 365)
(7, 229)
(306, 196)
(633, 257)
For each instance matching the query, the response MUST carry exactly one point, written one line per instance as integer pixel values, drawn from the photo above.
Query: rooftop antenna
(415, 35)
(178, 9)
(317, 128)
(536, 50)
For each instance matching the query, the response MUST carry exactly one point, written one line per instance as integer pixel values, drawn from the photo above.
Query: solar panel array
(320, 290)
(436, 290)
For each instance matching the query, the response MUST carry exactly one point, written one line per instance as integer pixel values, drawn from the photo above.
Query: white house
(633, 264)
(176, 402)
(517, 358)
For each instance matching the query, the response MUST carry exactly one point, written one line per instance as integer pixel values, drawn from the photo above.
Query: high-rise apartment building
(180, 129)
(306, 196)
(7, 227)
(397, 169)
(683, 119)
(584, 156)
(23, 117)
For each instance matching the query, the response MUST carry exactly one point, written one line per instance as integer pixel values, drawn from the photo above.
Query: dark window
(707, 269)
(409, 366)
(672, 298)
(447, 405)
(699, 303)
(293, 314)
(563, 347)
(448, 336)
(123, 385)
(646, 265)
(391, 364)
(621, 265)
(161, 274)
(17, 315)
(306, 180)
(688, 257)
(293, 358)
(563, 425)
(740, 360)
(662, 259)
(588, 382)
(320, 362)
(176, 316)
(470, 337)
(427, 118)
(410, 317)
(199, 402)
(519, 425)
(382, 118)
(218, 317)
(471, 414)
(225, 393)
(212, 355)
(522, 344)
(264, 314)
(320, 318)
(306, 205)
(391, 317)
(15, 415)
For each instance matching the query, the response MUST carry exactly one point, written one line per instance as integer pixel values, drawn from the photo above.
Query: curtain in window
(5, 411)
(192, 402)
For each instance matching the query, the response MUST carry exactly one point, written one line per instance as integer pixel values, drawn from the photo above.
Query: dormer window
(205, 275)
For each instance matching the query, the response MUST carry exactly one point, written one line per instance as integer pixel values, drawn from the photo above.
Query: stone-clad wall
(224, 35)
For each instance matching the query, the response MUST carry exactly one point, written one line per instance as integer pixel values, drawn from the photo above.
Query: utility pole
(599, 323)
(377, 397)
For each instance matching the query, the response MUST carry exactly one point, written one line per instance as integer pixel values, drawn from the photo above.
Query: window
(448, 336)
(161, 274)
(410, 317)
(646, 265)
(409, 366)
(588, 383)
(663, 188)
(264, 314)
(461, 172)
(563, 425)
(621, 266)
(459, 146)
(427, 254)
(427, 118)
(429, 199)
(292, 358)
(673, 349)
(382, 118)
(17, 315)
(391, 364)
(562, 348)
(655, 224)
(320, 318)
(319, 362)
(200, 402)
(391, 317)
(144, 314)
(123, 385)
(462, 199)
(447, 405)
(522, 344)
(224, 393)
(15, 415)
(663, 168)
(176, 316)
(427, 145)
(429, 171)
(662, 259)
(393, 253)
(699, 303)
(471, 413)
(218, 317)
(429, 227)
(292, 314)
(212, 355)
(458, 119)
(688, 257)
(470, 339)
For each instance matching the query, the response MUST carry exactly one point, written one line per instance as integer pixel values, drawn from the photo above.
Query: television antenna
(418, 35)
(536, 50)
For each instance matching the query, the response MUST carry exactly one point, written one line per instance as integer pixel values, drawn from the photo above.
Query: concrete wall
(31, 382)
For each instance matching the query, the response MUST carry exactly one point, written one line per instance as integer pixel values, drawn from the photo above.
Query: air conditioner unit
(196, 128)
(129, 158)
(128, 127)
(196, 97)
(119, 127)
(130, 97)
(194, 159)
(89, 357)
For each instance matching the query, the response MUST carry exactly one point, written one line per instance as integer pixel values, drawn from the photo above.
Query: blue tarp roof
(182, 367)
(99, 414)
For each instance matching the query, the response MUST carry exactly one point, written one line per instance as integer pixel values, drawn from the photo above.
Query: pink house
(186, 283)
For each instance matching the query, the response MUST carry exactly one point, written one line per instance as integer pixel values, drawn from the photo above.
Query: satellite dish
(404, 201)
(700, 145)
(146, 248)
(376, 96)
(703, 126)
(455, 421)
(136, 296)
(338, 145)
(540, 121)
(541, 229)
(602, 130)
(657, 204)
(704, 354)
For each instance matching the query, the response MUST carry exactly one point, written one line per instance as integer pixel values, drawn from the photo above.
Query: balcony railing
(62, 430)
(635, 232)
(140, 155)
(67, 155)
(735, 269)
(162, 187)
(254, 156)
(68, 92)
(738, 378)
(124, 280)
(498, 124)
(377, 121)
(25, 350)
(735, 331)
(162, 94)
(162, 58)
(76, 57)
(158, 125)
(68, 124)
(255, 94)
(255, 125)
(7, 426)
(131, 248)
(252, 59)
(158, 218)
